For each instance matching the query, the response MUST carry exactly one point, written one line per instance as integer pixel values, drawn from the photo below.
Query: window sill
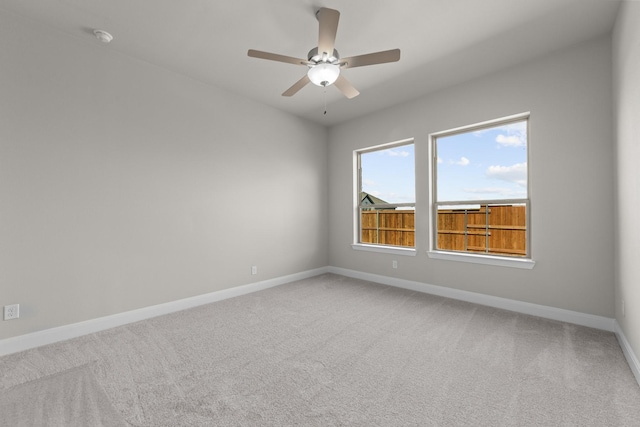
(395, 250)
(524, 263)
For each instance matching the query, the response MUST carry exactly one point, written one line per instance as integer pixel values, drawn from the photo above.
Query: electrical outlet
(254, 269)
(394, 263)
(11, 311)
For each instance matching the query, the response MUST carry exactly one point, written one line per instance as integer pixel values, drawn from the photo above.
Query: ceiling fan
(323, 61)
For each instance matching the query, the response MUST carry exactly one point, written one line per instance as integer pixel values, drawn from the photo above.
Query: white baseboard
(49, 336)
(629, 354)
(577, 318)
(61, 333)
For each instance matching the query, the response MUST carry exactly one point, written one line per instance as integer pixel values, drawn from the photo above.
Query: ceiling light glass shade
(323, 74)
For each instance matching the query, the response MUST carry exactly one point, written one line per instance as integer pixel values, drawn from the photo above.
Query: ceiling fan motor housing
(316, 57)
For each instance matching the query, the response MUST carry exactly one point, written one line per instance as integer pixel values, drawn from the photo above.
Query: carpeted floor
(71, 396)
(327, 351)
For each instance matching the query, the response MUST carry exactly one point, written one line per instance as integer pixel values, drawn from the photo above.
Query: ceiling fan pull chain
(325, 100)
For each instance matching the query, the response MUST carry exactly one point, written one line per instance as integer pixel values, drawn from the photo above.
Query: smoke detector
(103, 36)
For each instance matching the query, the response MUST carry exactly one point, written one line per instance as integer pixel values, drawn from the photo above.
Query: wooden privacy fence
(496, 229)
(388, 227)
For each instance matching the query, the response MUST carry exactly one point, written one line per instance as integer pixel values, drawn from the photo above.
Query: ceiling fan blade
(297, 86)
(346, 88)
(392, 55)
(328, 22)
(275, 57)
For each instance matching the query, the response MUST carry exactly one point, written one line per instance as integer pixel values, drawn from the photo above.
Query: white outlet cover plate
(11, 311)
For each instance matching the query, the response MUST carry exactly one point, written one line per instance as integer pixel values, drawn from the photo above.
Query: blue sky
(389, 174)
(487, 164)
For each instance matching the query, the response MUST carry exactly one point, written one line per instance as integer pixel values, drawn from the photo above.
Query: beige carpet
(334, 351)
(70, 398)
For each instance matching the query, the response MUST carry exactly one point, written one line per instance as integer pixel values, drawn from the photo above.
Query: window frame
(357, 224)
(526, 261)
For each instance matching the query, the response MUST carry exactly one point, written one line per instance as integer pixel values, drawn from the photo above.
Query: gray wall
(571, 177)
(626, 62)
(123, 185)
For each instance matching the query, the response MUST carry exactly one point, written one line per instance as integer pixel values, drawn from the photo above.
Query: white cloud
(515, 173)
(491, 192)
(513, 135)
(511, 140)
(439, 159)
(486, 190)
(368, 182)
(394, 153)
(463, 161)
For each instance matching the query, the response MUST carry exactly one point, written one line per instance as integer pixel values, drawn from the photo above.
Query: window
(386, 195)
(480, 192)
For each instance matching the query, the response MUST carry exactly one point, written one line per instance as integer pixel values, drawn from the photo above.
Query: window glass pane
(388, 182)
(391, 227)
(389, 175)
(485, 164)
(496, 229)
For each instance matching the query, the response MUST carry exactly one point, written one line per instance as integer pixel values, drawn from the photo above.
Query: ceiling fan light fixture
(323, 74)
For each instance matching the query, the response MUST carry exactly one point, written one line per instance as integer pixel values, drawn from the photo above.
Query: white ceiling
(443, 42)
